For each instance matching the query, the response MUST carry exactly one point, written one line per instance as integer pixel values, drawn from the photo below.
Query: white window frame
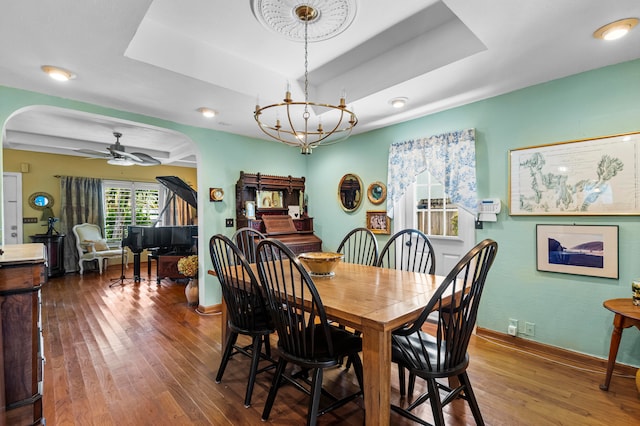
(434, 190)
(132, 187)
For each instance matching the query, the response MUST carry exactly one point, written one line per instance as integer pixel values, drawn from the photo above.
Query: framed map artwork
(599, 176)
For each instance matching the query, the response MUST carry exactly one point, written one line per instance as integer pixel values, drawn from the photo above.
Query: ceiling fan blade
(147, 160)
(116, 153)
(123, 154)
(94, 153)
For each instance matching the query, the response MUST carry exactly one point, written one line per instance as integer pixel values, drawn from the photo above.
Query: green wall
(566, 309)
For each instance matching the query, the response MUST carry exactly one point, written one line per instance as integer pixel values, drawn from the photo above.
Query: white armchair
(92, 246)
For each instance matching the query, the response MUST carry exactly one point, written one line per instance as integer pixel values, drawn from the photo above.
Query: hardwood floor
(136, 354)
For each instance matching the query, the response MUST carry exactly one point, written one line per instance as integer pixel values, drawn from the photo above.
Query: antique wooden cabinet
(280, 198)
(22, 274)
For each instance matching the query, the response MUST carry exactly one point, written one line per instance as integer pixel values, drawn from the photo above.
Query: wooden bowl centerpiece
(320, 263)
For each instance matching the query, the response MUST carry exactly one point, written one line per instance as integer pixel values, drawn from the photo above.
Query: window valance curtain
(449, 157)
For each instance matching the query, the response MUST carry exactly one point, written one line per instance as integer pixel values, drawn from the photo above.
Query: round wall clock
(216, 194)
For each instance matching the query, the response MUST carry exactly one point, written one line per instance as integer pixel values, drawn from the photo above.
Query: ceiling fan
(117, 155)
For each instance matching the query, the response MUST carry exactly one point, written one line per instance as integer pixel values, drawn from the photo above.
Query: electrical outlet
(529, 328)
(512, 329)
(228, 222)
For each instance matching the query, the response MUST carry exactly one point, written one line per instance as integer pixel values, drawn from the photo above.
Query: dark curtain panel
(80, 202)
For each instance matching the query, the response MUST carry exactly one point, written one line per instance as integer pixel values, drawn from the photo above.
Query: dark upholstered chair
(444, 354)
(408, 250)
(305, 337)
(359, 246)
(246, 308)
(246, 239)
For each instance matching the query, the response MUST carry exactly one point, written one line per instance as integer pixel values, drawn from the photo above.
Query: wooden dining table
(374, 301)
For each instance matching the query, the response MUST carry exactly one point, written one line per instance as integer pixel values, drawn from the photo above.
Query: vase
(192, 292)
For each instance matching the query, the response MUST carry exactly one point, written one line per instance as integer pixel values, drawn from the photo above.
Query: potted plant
(188, 266)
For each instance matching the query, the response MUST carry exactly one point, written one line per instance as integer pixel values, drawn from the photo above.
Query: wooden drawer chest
(22, 274)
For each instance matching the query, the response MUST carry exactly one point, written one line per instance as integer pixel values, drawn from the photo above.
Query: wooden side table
(55, 252)
(626, 315)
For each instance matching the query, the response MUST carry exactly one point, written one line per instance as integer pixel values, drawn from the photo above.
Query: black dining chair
(444, 354)
(305, 337)
(246, 239)
(408, 250)
(246, 309)
(359, 246)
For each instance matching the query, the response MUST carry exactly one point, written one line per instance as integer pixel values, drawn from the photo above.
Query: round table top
(624, 307)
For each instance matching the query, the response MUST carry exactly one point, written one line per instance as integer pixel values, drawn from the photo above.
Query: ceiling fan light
(207, 112)
(615, 30)
(58, 74)
(120, 162)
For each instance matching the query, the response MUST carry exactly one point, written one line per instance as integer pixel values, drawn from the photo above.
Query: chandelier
(289, 120)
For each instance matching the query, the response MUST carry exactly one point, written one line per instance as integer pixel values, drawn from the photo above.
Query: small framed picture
(590, 250)
(378, 222)
(269, 199)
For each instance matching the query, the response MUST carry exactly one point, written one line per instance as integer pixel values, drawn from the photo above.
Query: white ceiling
(166, 58)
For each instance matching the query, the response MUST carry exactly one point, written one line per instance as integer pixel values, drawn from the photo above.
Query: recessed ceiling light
(207, 112)
(615, 30)
(57, 73)
(398, 102)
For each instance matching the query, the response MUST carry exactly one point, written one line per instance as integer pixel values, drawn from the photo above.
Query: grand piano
(177, 240)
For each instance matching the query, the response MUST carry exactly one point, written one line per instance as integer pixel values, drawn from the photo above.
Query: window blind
(129, 203)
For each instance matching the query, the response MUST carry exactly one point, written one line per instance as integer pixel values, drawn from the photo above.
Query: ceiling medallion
(333, 17)
(295, 129)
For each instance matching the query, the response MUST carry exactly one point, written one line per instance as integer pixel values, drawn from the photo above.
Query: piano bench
(167, 267)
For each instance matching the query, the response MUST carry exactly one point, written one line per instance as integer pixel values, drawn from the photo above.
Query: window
(434, 212)
(129, 203)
